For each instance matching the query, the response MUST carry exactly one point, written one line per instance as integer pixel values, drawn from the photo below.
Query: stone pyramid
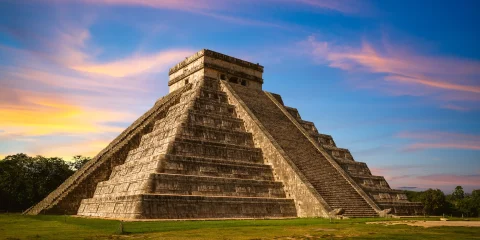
(218, 146)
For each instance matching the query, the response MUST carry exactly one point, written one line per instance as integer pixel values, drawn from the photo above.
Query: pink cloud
(209, 8)
(61, 89)
(416, 178)
(455, 107)
(342, 6)
(403, 72)
(223, 9)
(136, 64)
(71, 49)
(469, 180)
(440, 140)
(188, 5)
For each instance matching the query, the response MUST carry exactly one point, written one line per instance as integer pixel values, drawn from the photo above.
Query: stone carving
(385, 212)
(336, 212)
(214, 149)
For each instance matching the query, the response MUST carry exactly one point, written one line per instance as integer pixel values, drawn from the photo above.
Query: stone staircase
(330, 184)
(376, 187)
(197, 162)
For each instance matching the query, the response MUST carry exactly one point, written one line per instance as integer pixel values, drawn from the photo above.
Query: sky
(396, 82)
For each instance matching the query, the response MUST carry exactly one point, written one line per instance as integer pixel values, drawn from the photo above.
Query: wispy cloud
(455, 107)
(343, 6)
(34, 114)
(404, 72)
(218, 9)
(440, 140)
(71, 49)
(57, 87)
(85, 147)
(189, 5)
(228, 10)
(418, 179)
(453, 179)
(136, 64)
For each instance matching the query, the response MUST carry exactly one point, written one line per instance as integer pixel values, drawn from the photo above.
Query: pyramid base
(152, 206)
(403, 208)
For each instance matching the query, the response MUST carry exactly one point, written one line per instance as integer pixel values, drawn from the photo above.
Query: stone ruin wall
(215, 65)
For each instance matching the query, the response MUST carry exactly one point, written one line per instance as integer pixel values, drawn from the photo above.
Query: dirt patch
(325, 229)
(427, 224)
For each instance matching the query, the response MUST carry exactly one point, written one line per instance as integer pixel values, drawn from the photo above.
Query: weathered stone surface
(219, 147)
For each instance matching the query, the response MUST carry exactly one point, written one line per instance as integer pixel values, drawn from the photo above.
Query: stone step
(187, 207)
(147, 150)
(350, 162)
(324, 139)
(205, 105)
(199, 132)
(309, 126)
(384, 189)
(215, 186)
(158, 135)
(340, 153)
(211, 83)
(213, 95)
(403, 208)
(148, 164)
(294, 112)
(345, 202)
(194, 166)
(215, 120)
(196, 148)
(353, 168)
(216, 168)
(360, 215)
(372, 177)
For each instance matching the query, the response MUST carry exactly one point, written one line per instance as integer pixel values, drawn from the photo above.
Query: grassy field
(14, 226)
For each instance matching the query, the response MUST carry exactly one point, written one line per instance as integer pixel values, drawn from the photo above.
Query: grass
(14, 226)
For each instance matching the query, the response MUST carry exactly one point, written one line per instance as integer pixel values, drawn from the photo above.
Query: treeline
(25, 180)
(457, 204)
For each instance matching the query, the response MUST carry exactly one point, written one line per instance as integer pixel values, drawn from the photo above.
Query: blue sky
(396, 82)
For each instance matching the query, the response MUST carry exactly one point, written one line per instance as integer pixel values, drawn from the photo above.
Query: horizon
(395, 83)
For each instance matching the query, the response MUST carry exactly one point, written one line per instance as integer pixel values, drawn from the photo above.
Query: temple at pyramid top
(216, 65)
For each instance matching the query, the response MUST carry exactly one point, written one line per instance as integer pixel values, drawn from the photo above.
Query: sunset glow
(396, 82)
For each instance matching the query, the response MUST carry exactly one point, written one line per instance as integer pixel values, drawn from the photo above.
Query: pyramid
(218, 146)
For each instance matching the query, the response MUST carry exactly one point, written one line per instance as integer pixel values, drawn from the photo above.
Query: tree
(26, 180)
(434, 201)
(78, 162)
(458, 193)
(413, 196)
(476, 201)
(466, 207)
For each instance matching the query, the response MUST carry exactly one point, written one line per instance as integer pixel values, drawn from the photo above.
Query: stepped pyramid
(218, 146)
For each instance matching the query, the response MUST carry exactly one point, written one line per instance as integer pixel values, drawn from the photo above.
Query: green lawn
(14, 226)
